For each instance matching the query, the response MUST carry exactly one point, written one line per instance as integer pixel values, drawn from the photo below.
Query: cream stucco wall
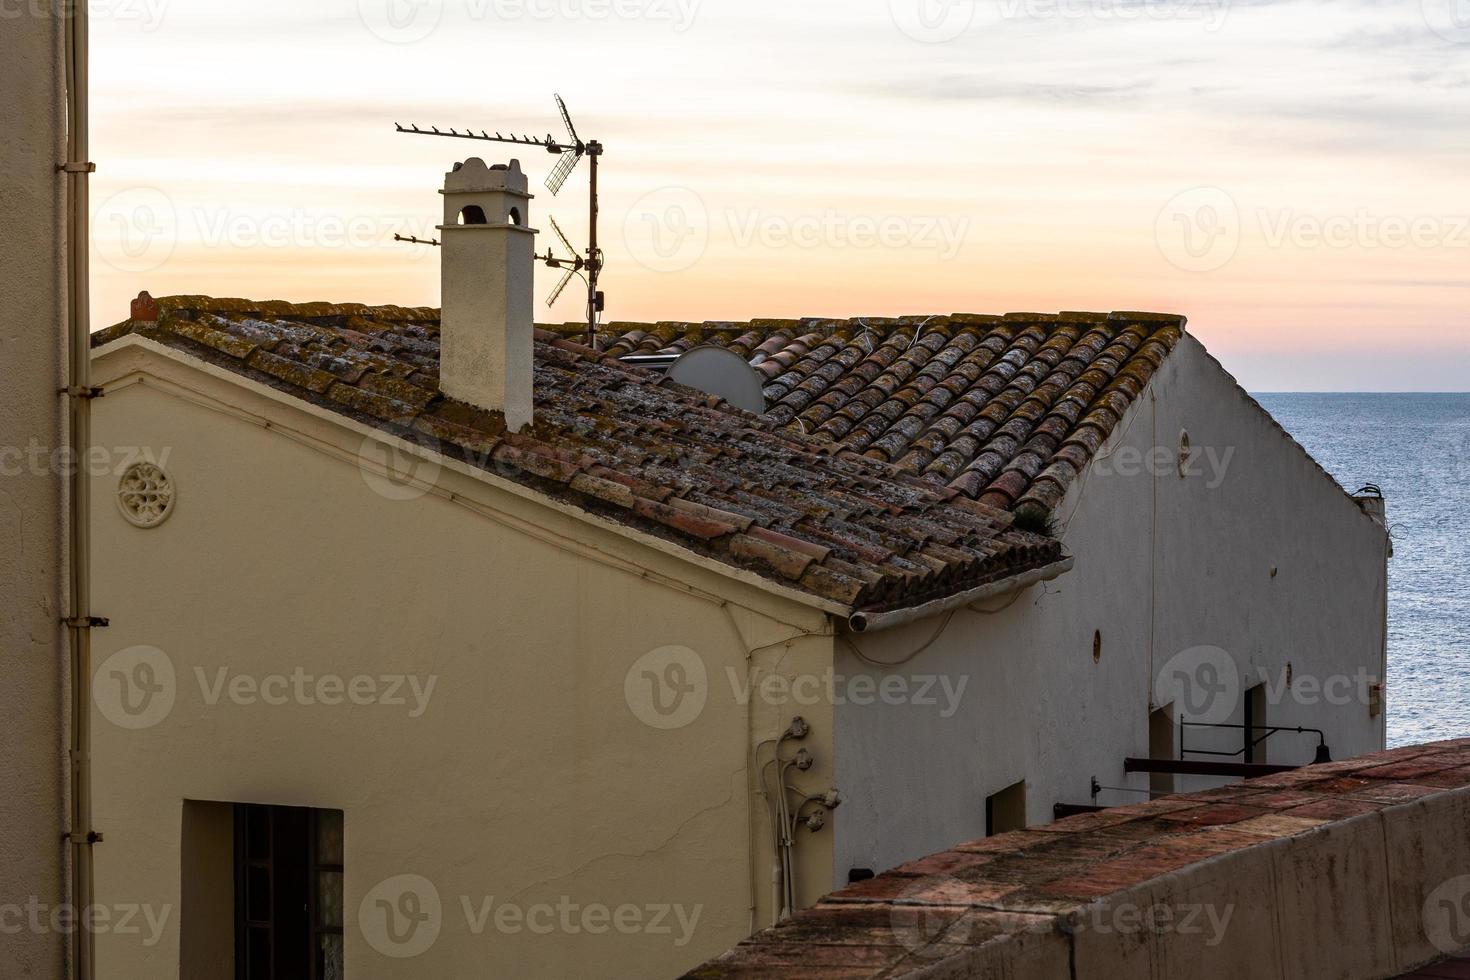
(1164, 565)
(32, 654)
(529, 780)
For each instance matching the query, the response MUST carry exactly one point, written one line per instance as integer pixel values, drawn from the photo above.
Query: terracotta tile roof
(911, 920)
(751, 491)
(1006, 409)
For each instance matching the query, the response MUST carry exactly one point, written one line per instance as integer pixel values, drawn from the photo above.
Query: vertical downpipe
(80, 836)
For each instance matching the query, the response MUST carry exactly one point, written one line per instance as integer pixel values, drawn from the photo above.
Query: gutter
(870, 622)
(80, 836)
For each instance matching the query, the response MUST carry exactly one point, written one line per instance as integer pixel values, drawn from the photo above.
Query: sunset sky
(1293, 175)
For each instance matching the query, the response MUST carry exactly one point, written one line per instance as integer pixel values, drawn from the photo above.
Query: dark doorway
(288, 893)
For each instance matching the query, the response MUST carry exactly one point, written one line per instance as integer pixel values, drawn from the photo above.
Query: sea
(1416, 449)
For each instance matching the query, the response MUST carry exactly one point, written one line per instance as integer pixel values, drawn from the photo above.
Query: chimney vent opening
(473, 215)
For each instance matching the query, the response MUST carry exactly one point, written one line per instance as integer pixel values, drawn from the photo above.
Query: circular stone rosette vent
(146, 495)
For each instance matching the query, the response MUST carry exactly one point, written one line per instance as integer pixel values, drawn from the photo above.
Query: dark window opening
(288, 893)
(515, 216)
(472, 215)
(1006, 811)
(1255, 717)
(1161, 746)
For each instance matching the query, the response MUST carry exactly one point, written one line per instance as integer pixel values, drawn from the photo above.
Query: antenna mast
(571, 151)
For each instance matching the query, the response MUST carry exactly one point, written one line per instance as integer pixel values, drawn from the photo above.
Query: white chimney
(487, 263)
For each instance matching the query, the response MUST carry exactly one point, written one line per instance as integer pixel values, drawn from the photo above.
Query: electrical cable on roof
(919, 332)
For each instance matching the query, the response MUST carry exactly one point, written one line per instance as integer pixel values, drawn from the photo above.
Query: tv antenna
(573, 265)
(571, 150)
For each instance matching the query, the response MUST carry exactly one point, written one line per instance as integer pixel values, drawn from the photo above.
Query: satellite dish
(721, 372)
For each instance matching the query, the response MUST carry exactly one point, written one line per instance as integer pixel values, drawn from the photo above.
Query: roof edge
(1275, 423)
(861, 621)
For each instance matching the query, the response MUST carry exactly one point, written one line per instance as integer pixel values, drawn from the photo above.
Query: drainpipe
(80, 836)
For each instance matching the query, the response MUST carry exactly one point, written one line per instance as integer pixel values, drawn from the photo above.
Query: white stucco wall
(32, 654)
(1164, 564)
(527, 781)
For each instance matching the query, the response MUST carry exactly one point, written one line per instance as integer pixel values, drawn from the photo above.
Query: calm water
(1417, 448)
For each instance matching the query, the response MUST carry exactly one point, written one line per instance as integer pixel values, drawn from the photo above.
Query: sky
(1292, 175)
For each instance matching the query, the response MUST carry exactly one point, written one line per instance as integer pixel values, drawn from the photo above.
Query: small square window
(1006, 811)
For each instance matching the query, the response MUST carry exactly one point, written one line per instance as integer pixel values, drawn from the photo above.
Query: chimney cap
(473, 176)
